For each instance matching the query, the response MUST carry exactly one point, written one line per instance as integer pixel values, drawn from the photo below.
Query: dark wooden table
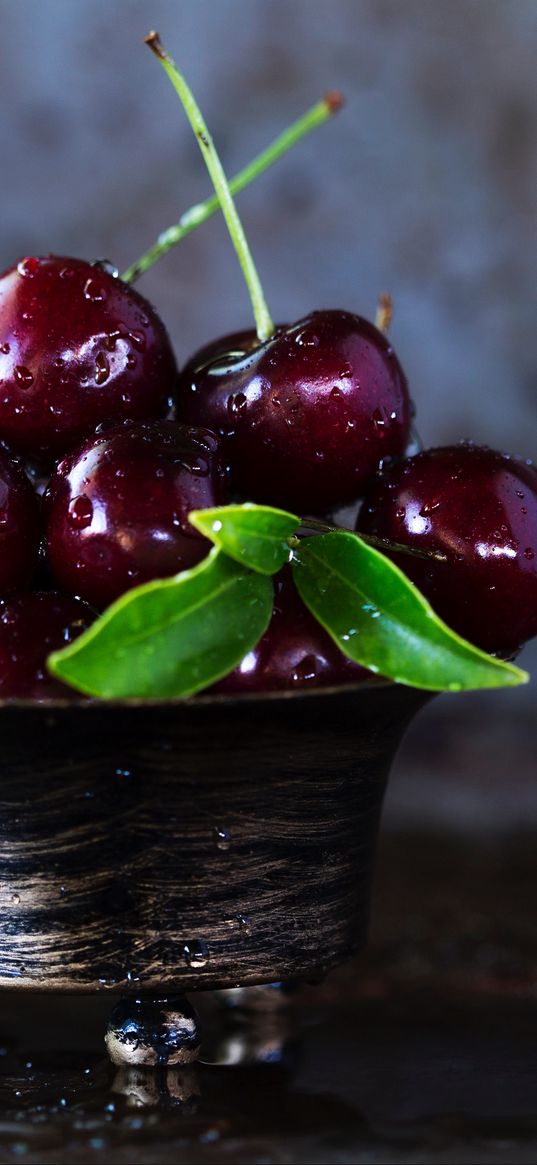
(424, 1049)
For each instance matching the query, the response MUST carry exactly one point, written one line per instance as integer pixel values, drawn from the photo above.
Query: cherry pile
(106, 447)
(96, 417)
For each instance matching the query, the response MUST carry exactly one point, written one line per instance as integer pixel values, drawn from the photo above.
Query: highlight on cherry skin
(31, 627)
(307, 416)
(478, 507)
(78, 346)
(116, 509)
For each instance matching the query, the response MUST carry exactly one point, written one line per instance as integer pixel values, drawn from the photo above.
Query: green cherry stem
(319, 113)
(263, 321)
(382, 544)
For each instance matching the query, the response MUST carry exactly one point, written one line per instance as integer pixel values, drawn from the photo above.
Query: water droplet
(80, 512)
(196, 953)
(429, 508)
(304, 671)
(523, 509)
(400, 514)
(237, 403)
(379, 422)
(138, 340)
(102, 368)
(131, 360)
(307, 339)
(222, 837)
(276, 402)
(94, 291)
(106, 266)
(15, 898)
(520, 493)
(23, 376)
(345, 372)
(245, 924)
(529, 553)
(5, 349)
(335, 393)
(28, 266)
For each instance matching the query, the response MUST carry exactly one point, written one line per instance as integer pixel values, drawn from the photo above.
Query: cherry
(77, 346)
(117, 508)
(309, 411)
(295, 652)
(309, 415)
(19, 527)
(31, 626)
(479, 508)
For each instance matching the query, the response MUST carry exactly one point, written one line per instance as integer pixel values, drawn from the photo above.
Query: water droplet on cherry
(94, 291)
(28, 266)
(237, 403)
(102, 368)
(23, 376)
(305, 670)
(80, 512)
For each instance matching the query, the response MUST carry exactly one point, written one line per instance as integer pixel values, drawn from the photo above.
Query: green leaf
(379, 618)
(255, 536)
(172, 637)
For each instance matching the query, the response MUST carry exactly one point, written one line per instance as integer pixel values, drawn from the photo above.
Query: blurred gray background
(426, 185)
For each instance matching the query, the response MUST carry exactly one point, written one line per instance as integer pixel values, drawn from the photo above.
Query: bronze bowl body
(206, 843)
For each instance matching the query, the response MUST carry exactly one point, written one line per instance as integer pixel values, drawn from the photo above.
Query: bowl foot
(153, 1032)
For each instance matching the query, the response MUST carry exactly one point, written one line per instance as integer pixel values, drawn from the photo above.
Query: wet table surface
(423, 1049)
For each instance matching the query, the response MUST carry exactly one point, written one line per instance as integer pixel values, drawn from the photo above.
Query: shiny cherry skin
(308, 416)
(479, 508)
(295, 652)
(19, 527)
(31, 626)
(77, 347)
(117, 508)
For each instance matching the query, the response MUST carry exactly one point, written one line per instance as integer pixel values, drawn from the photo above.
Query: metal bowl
(212, 842)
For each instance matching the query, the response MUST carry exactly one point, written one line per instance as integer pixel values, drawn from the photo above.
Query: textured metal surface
(421, 1050)
(209, 843)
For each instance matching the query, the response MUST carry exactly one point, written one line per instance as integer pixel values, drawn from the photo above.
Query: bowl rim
(216, 700)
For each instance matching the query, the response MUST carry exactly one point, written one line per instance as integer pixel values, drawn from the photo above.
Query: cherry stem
(263, 321)
(372, 540)
(198, 214)
(384, 314)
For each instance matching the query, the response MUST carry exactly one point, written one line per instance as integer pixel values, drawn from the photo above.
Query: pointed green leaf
(379, 618)
(172, 637)
(255, 536)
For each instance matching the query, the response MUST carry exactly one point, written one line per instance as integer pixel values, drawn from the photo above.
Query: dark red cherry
(309, 415)
(77, 347)
(295, 652)
(479, 508)
(31, 626)
(19, 527)
(117, 508)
